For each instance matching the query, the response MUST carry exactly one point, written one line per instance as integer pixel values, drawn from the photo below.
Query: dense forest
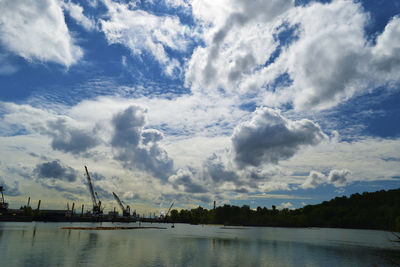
(377, 210)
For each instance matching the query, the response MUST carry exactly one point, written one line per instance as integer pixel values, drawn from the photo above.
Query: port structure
(126, 212)
(3, 204)
(97, 209)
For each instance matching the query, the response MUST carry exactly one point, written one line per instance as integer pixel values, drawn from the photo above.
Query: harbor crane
(166, 214)
(3, 205)
(126, 212)
(97, 210)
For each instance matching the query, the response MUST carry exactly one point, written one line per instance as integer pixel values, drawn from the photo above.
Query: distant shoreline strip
(110, 228)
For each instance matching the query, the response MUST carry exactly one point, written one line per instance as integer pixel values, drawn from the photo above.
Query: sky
(245, 102)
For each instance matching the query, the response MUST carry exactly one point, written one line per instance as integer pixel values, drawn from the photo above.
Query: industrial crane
(97, 210)
(3, 205)
(125, 211)
(165, 218)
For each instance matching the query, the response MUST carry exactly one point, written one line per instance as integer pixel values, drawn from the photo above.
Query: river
(46, 244)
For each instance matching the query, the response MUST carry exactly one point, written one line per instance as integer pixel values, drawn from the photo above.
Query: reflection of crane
(95, 198)
(125, 211)
(3, 205)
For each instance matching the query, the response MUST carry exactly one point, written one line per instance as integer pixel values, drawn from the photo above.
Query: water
(45, 244)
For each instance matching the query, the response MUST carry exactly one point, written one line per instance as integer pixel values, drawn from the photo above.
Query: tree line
(377, 210)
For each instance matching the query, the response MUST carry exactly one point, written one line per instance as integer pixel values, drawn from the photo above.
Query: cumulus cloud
(269, 137)
(76, 12)
(10, 190)
(185, 178)
(264, 11)
(314, 179)
(57, 176)
(339, 178)
(238, 42)
(144, 32)
(139, 148)
(266, 138)
(62, 186)
(386, 53)
(218, 171)
(70, 139)
(55, 170)
(328, 59)
(332, 59)
(37, 31)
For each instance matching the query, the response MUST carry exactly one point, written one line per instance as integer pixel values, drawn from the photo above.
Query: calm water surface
(45, 244)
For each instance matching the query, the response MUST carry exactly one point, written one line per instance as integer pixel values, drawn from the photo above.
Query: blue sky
(264, 103)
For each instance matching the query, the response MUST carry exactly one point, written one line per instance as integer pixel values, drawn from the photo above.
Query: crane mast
(125, 211)
(96, 205)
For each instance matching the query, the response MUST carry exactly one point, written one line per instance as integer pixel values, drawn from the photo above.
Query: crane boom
(93, 194)
(125, 211)
(119, 202)
(169, 210)
(91, 187)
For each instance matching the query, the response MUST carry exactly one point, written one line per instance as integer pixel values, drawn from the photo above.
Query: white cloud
(329, 60)
(138, 148)
(184, 180)
(178, 3)
(339, 178)
(269, 137)
(286, 205)
(144, 32)
(177, 132)
(188, 115)
(314, 179)
(365, 157)
(37, 31)
(68, 138)
(55, 170)
(326, 62)
(10, 190)
(238, 36)
(385, 55)
(76, 12)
